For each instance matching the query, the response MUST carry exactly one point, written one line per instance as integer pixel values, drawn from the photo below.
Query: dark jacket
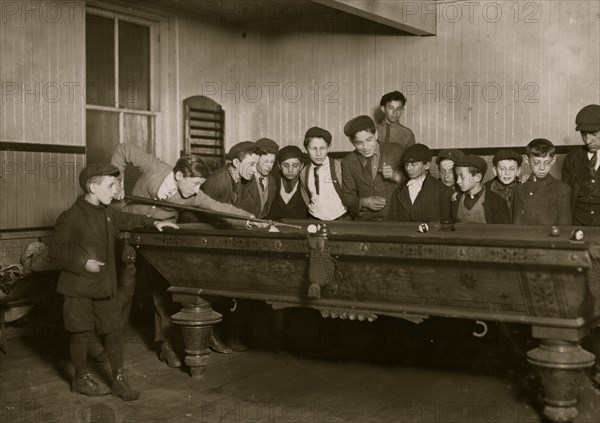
(575, 170)
(84, 232)
(431, 205)
(293, 209)
(549, 205)
(358, 182)
(250, 197)
(494, 207)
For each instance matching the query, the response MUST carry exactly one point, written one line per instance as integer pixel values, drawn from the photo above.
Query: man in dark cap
(321, 181)
(476, 204)
(423, 198)
(581, 169)
(445, 161)
(390, 130)
(288, 202)
(371, 172)
(507, 169)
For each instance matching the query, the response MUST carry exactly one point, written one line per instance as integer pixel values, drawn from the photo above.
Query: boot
(121, 389)
(167, 355)
(236, 344)
(84, 384)
(217, 345)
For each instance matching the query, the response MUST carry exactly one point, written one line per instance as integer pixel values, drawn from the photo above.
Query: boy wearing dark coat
(83, 247)
(542, 199)
(371, 173)
(423, 198)
(507, 169)
(288, 202)
(476, 204)
(258, 195)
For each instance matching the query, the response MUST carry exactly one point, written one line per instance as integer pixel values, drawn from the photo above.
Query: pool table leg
(561, 365)
(196, 319)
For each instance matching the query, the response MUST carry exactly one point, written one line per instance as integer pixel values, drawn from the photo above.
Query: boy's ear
(236, 162)
(495, 171)
(376, 135)
(427, 165)
(178, 176)
(382, 109)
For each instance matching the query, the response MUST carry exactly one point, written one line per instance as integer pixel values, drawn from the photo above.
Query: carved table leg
(560, 365)
(196, 319)
(595, 341)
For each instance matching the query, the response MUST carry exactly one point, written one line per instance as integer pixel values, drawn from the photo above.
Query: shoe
(218, 346)
(167, 355)
(84, 384)
(121, 389)
(237, 345)
(102, 357)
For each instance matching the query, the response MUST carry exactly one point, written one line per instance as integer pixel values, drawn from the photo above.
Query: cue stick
(168, 205)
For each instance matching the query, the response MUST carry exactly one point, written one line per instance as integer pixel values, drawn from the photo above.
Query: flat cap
(268, 145)
(316, 132)
(417, 153)
(289, 152)
(588, 118)
(507, 155)
(241, 147)
(359, 123)
(449, 154)
(472, 161)
(96, 169)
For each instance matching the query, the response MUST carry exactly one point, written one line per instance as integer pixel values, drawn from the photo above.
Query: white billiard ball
(423, 227)
(311, 229)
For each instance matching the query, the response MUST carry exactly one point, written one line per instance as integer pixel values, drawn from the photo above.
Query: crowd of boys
(386, 177)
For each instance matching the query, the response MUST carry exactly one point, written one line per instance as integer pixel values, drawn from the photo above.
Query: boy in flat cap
(288, 202)
(180, 185)
(581, 169)
(542, 199)
(423, 198)
(507, 169)
(445, 161)
(258, 196)
(390, 130)
(476, 204)
(83, 247)
(371, 172)
(321, 181)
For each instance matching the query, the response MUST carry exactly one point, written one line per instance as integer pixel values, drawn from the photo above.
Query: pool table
(361, 270)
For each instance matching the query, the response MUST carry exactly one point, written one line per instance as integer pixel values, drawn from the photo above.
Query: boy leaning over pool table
(83, 247)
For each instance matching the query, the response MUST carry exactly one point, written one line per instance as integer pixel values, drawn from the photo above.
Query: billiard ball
(577, 235)
(311, 229)
(423, 227)
(554, 231)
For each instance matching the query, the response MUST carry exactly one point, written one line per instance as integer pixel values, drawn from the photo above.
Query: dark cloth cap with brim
(359, 123)
(507, 155)
(268, 145)
(449, 154)
(241, 147)
(289, 152)
(472, 161)
(588, 118)
(417, 153)
(96, 169)
(316, 132)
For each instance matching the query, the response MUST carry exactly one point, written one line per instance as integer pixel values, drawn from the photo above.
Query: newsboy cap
(507, 155)
(267, 144)
(588, 118)
(316, 132)
(96, 169)
(359, 123)
(241, 147)
(289, 152)
(472, 161)
(417, 153)
(449, 154)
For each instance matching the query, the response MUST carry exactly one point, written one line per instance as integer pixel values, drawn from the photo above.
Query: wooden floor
(483, 384)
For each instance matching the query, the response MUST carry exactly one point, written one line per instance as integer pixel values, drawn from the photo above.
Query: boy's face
(393, 110)
(247, 167)
(290, 168)
(317, 150)
(188, 187)
(465, 180)
(506, 171)
(365, 143)
(416, 169)
(540, 166)
(105, 190)
(447, 172)
(265, 164)
(591, 140)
